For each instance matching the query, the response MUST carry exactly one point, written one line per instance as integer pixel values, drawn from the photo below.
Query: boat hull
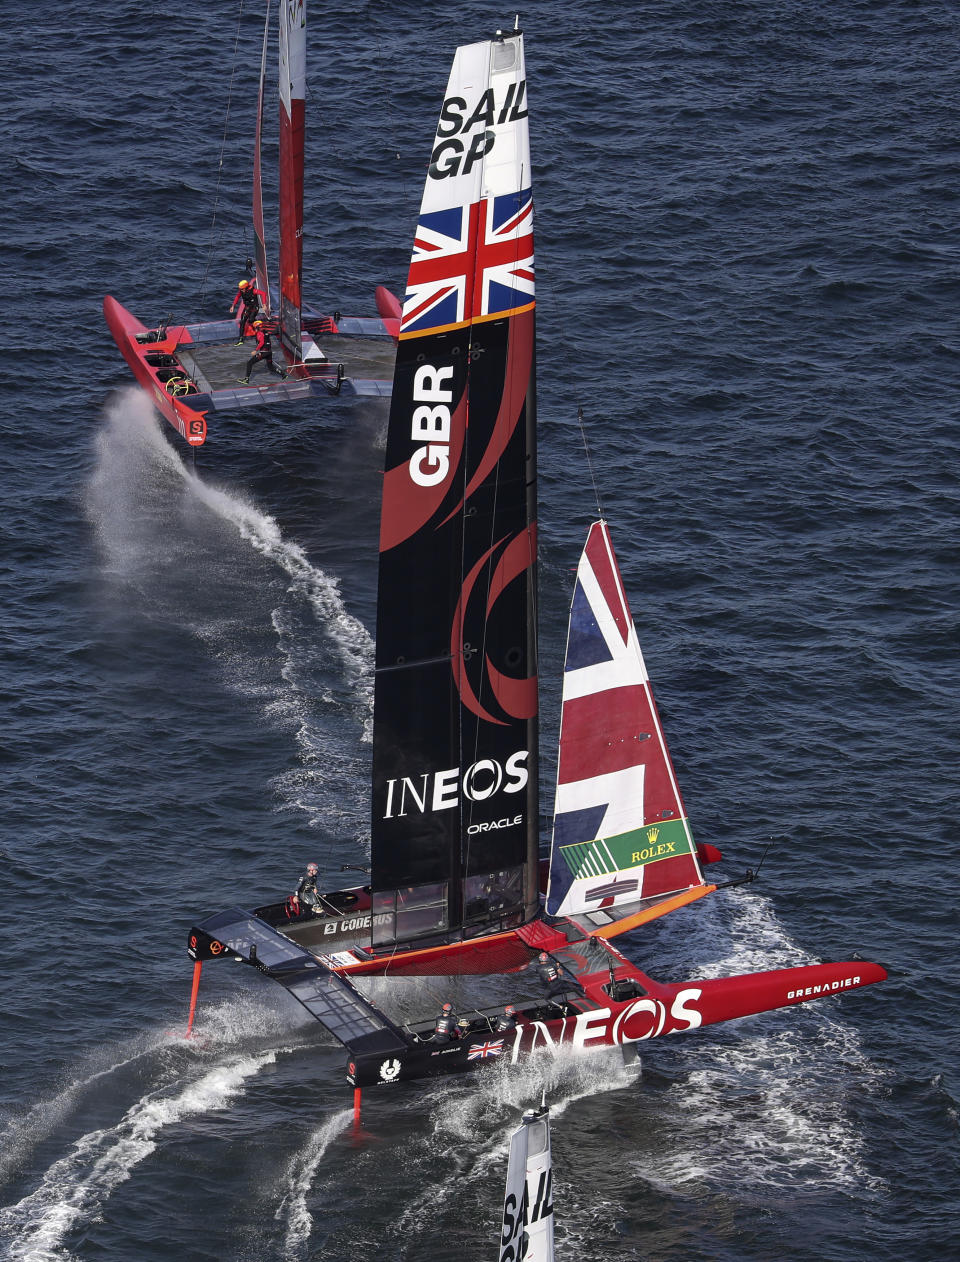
(154, 362)
(643, 1009)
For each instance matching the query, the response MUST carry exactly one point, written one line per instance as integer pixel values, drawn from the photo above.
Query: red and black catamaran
(191, 369)
(457, 886)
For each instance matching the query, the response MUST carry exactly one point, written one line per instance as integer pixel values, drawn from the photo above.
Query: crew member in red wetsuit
(251, 298)
(261, 352)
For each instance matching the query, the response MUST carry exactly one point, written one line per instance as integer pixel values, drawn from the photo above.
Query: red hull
(190, 424)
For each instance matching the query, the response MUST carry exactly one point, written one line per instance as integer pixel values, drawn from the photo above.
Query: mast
(454, 843)
(293, 56)
(260, 250)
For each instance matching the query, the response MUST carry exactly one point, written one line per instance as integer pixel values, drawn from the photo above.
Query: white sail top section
(473, 252)
(528, 1203)
(293, 52)
(482, 139)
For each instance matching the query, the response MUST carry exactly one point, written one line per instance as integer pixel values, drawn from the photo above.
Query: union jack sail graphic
(620, 831)
(471, 262)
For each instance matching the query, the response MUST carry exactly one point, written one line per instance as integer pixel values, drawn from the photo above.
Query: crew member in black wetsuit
(556, 984)
(251, 297)
(262, 352)
(307, 893)
(446, 1028)
(508, 1021)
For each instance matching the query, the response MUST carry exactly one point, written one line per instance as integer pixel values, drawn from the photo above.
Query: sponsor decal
(441, 790)
(389, 1070)
(644, 1018)
(430, 425)
(354, 922)
(823, 988)
(216, 948)
(454, 153)
(654, 852)
(493, 824)
(480, 1051)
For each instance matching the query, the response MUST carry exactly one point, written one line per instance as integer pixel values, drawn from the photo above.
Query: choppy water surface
(748, 278)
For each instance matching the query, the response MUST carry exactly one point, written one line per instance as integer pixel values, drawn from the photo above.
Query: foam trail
(497, 1098)
(21, 1136)
(350, 638)
(134, 468)
(299, 1179)
(75, 1188)
(758, 1083)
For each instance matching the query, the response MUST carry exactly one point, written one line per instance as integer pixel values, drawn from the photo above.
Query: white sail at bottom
(528, 1203)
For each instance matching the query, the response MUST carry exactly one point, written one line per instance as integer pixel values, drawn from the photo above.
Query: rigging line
(586, 451)
(223, 147)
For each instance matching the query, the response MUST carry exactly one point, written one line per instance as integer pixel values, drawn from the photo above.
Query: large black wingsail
(454, 828)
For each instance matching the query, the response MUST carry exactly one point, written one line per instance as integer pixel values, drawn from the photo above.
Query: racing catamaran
(190, 369)
(457, 886)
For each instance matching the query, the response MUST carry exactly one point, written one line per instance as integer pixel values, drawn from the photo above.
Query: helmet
(544, 957)
(509, 1009)
(447, 1007)
(258, 324)
(312, 867)
(244, 284)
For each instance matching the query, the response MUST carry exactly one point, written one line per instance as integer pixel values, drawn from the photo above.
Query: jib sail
(620, 831)
(454, 827)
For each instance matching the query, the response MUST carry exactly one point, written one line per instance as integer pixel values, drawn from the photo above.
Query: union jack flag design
(470, 261)
(618, 813)
(480, 1051)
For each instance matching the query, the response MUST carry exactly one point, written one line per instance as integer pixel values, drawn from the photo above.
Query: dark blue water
(749, 277)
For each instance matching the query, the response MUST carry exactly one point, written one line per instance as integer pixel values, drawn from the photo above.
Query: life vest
(249, 296)
(549, 973)
(307, 889)
(506, 1023)
(446, 1024)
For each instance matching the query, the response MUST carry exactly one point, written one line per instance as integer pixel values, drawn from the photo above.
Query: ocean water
(748, 278)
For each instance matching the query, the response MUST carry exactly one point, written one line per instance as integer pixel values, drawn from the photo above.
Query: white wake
(75, 1187)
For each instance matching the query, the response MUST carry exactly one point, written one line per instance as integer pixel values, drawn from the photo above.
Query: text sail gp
(454, 798)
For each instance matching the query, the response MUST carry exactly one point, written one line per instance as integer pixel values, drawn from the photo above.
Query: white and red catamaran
(457, 886)
(190, 369)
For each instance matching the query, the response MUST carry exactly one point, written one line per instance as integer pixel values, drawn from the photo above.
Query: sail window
(490, 896)
(505, 55)
(415, 911)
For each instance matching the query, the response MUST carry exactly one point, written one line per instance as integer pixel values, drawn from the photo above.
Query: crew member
(553, 979)
(307, 893)
(251, 298)
(508, 1021)
(261, 352)
(446, 1028)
